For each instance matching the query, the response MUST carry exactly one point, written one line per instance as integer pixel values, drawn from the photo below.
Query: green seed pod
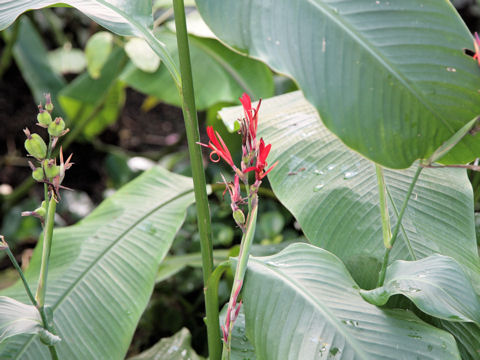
(44, 118)
(42, 210)
(51, 170)
(35, 145)
(37, 174)
(56, 127)
(239, 217)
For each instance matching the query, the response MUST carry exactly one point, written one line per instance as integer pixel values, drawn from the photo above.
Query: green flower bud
(44, 118)
(239, 217)
(51, 170)
(37, 174)
(48, 104)
(35, 145)
(56, 127)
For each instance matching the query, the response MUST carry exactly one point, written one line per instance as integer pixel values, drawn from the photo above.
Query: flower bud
(35, 145)
(37, 174)
(56, 127)
(44, 118)
(48, 104)
(51, 170)
(239, 217)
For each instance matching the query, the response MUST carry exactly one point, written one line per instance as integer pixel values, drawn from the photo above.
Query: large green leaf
(303, 304)
(102, 270)
(95, 103)
(332, 191)
(467, 336)
(123, 17)
(18, 318)
(436, 284)
(172, 348)
(388, 77)
(219, 74)
(31, 57)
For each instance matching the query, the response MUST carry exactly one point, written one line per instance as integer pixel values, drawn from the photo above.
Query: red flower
(250, 122)
(261, 163)
(476, 43)
(218, 147)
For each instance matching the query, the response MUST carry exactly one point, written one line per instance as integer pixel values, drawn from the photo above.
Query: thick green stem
(200, 189)
(47, 245)
(383, 270)
(382, 191)
(241, 268)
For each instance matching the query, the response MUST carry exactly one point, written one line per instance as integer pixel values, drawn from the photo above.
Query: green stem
(383, 270)
(47, 245)
(241, 268)
(382, 190)
(22, 276)
(261, 191)
(200, 189)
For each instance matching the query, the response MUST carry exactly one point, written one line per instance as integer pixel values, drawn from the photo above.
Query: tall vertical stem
(383, 270)
(203, 211)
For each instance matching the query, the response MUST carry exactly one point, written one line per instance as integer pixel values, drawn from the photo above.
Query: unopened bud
(239, 217)
(51, 170)
(35, 145)
(44, 118)
(56, 127)
(48, 104)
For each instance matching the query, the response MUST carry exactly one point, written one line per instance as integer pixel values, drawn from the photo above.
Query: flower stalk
(254, 158)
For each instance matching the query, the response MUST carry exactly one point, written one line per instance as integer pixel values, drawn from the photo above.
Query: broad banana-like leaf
(436, 285)
(303, 304)
(102, 270)
(332, 191)
(123, 17)
(389, 78)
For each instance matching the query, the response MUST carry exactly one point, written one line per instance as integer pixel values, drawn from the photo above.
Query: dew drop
(331, 167)
(318, 187)
(318, 172)
(349, 174)
(451, 69)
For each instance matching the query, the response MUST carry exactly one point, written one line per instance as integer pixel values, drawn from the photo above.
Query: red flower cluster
(476, 44)
(253, 152)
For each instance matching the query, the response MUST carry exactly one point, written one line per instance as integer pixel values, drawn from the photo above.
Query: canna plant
(370, 157)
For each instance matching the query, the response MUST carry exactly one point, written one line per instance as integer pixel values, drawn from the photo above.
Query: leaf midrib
(380, 58)
(101, 255)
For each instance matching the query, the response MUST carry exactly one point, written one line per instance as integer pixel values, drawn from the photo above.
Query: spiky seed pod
(35, 145)
(56, 127)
